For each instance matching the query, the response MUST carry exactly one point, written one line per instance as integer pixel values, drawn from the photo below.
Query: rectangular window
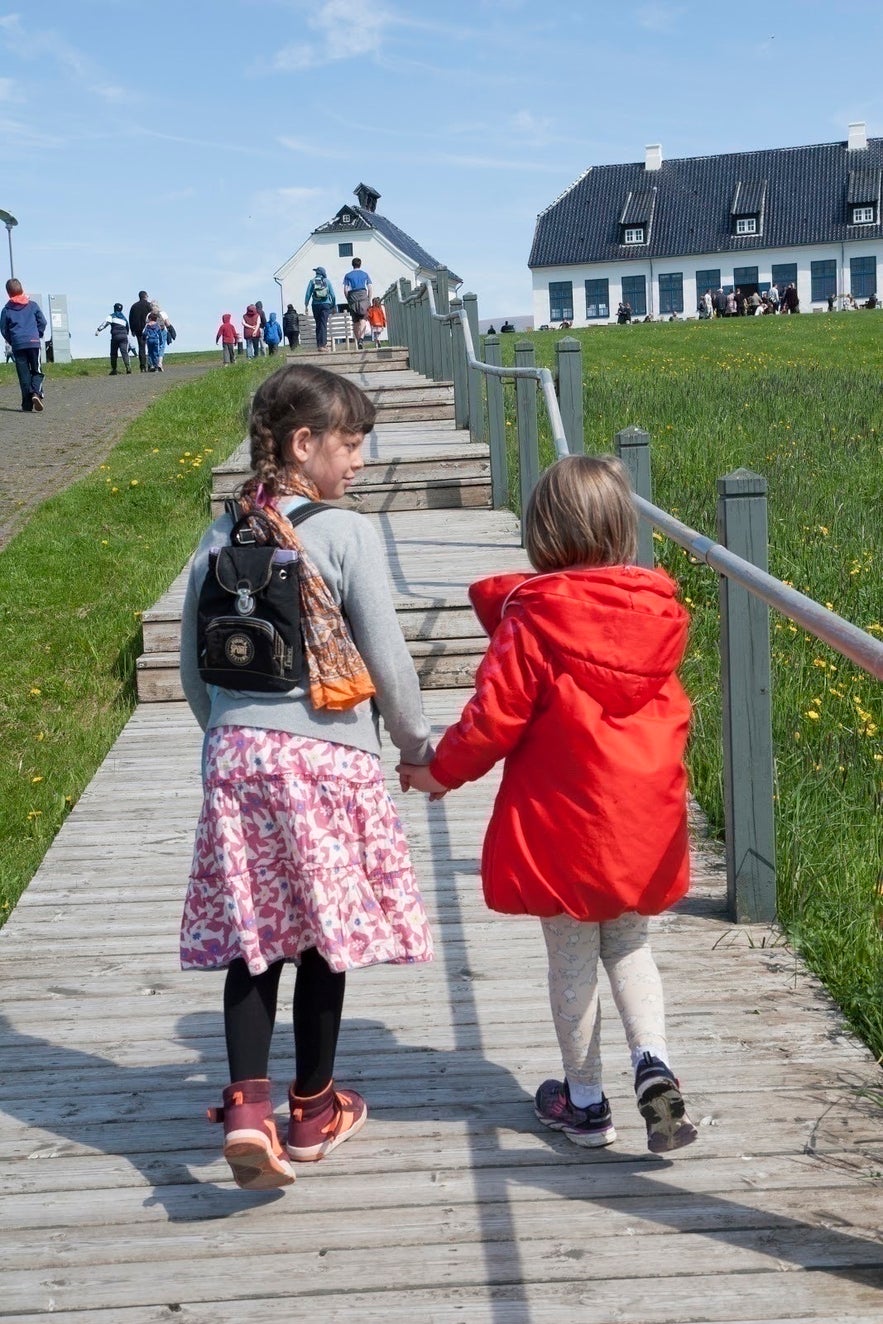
(863, 215)
(634, 293)
(824, 279)
(708, 280)
(784, 274)
(746, 225)
(560, 301)
(671, 293)
(344, 250)
(862, 277)
(597, 299)
(745, 278)
(634, 234)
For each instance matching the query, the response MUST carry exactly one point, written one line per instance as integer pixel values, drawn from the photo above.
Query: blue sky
(190, 148)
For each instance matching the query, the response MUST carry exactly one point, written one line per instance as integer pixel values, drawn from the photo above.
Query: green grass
(74, 583)
(800, 401)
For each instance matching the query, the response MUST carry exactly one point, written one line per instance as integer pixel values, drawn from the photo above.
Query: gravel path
(83, 420)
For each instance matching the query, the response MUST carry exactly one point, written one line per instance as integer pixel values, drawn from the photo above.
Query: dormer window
(746, 225)
(863, 215)
(748, 206)
(633, 234)
(346, 218)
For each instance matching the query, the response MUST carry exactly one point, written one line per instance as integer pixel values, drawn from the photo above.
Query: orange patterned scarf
(339, 678)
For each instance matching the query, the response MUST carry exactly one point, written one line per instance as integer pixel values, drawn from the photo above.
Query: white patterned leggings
(574, 948)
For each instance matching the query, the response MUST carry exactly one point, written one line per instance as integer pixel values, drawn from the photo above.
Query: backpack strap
(306, 511)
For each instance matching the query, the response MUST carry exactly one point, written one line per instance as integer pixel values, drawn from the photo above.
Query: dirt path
(83, 420)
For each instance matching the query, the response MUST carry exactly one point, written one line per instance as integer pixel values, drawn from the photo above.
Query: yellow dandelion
(35, 691)
(34, 780)
(34, 813)
(134, 482)
(812, 714)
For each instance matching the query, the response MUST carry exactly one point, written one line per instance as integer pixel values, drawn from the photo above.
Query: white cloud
(33, 42)
(658, 17)
(345, 29)
(314, 149)
(7, 89)
(14, 135)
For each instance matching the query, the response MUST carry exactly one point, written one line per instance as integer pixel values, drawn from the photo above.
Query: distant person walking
(153, 338)
(137, 322)
(320, 297)
(259, 309)
(291, 326)
(119, 338)
(251, 332)
(228, 336)
(22, 324)
(358, 292)
(377, 321)
(272, 334)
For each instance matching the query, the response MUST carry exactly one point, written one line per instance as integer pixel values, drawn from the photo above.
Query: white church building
(387, 253)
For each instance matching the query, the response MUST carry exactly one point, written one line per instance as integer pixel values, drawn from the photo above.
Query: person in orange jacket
(376, 320)
(578, 692)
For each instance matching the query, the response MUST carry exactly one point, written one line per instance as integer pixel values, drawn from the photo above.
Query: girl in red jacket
(578, 693)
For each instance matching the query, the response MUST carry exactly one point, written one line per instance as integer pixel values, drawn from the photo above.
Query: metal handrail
(541, 375)
(846, 638)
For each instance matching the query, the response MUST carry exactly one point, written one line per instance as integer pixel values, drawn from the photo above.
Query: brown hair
(13, 286)
(581, 512)
(301, 396)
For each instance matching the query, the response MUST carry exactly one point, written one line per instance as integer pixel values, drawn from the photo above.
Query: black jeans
(118, 347)
(142, 352)
(30, 378)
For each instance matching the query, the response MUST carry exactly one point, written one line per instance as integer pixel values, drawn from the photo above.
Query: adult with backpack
(321, 298)
(299, 855)
(358, 292)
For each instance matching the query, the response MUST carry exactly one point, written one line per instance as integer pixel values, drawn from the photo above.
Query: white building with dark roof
(658, 234)
(387, 253)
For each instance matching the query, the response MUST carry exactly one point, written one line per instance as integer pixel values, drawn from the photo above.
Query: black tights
(250, 1014)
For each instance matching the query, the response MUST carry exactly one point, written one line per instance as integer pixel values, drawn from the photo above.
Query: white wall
(763, 259)
(382, 263)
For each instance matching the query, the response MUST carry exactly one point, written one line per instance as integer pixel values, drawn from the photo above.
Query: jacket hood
(19, 299)
(226, 317)
(272, 317)
(251, 309)
(618, 631)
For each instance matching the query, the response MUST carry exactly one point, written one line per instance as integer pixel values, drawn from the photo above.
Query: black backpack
(248, 616)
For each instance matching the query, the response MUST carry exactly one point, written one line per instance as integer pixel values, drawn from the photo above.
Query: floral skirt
(298, 845)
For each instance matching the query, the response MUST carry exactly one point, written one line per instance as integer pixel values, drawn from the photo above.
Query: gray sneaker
(590, 1127)
(661, 1104)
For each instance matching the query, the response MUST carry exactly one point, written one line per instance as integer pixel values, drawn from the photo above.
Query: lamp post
(9, 222)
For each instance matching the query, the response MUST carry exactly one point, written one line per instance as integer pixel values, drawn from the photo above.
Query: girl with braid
(299, 853)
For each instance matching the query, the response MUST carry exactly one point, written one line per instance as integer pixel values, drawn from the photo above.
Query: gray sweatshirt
(348, 554)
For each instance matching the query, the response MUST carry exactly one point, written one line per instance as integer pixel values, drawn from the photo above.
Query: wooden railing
(441, 335)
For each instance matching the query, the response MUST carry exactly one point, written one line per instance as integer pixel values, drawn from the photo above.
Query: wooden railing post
(443, 305)
(458, 370)
(496, 420)
(436, 331)
(569, 357)
(526, 425)
(406, 319)
(747, 706)
(633, 448)
(476, 399)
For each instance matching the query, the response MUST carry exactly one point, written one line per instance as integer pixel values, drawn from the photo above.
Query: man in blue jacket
(22, 325)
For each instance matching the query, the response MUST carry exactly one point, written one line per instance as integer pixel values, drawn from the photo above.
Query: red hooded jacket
(578, 693)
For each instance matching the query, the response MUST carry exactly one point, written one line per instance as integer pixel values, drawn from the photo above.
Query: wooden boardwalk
(453, 1206)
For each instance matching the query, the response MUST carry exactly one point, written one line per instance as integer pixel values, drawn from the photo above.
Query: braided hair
(300, 395)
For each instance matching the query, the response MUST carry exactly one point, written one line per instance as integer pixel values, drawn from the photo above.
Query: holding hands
(419, 776)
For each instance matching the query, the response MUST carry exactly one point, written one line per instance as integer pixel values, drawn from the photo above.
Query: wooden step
(352, 360)
(444, 551)
(440, 664)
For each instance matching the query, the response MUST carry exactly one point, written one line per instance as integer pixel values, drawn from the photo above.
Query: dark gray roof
(802, 193)
(361, 219)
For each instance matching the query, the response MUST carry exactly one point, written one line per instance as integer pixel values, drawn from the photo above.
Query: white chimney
(858, 137)
(653, 156)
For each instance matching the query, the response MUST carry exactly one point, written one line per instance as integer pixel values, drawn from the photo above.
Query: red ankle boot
(323, 1121)
(251, 1145)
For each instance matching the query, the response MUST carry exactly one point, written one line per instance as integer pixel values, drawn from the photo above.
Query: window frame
(868, 219)
(598, 316)
(746, 225)
(344, 250)
(629, 233)
(705, 284)
(565, 314)
(860, 287)
(674, 292)
(823, 283)
(637, 304)
(782, 282)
